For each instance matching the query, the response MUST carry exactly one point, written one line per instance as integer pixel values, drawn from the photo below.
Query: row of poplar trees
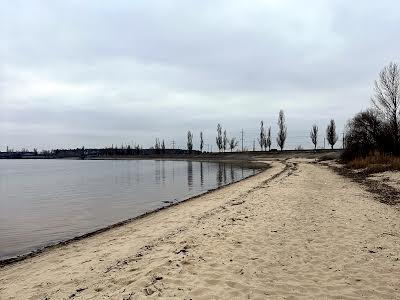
(265, 141)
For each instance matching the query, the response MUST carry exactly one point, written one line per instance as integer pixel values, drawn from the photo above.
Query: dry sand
(295, 231)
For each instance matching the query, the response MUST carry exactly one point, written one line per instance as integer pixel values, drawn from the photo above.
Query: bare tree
(233, 144)
(314, 135)
(201, 142)
(387, 99)
(218, 139)
(268, 140)
(157, 146)
(190, 141)
(331, 135)
(261, 139)
(163, 147)
(282, 133)
(137, 149)
(225, 141)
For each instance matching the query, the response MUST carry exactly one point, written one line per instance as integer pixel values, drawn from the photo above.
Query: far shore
(196, 155)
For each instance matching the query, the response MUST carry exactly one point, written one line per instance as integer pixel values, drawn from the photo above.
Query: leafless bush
(233, 144)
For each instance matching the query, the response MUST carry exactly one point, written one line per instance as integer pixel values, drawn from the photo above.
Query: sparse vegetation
(376, 162)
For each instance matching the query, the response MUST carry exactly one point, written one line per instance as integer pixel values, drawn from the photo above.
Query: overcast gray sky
(97, 73)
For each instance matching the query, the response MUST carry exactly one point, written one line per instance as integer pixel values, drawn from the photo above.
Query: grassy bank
(376, 162)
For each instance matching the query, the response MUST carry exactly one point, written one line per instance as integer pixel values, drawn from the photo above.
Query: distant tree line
(123, 150)
(225, 143)
(265, 139)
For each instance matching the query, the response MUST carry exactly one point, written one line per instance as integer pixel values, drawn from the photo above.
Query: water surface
(46, 201)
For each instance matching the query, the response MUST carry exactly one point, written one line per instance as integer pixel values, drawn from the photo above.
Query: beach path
(296, 231)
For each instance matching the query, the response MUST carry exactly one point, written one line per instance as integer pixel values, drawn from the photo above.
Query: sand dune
(295, 231)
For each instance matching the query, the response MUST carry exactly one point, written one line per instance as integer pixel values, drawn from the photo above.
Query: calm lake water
(46, 201)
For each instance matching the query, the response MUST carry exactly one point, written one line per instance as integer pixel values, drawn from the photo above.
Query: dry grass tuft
(376, 162)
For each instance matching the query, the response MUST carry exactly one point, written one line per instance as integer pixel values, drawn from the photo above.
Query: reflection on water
(157, 172)
(201, 174)
(163, 172)
(220, 175)
(224, 166)
(45, 201)
(190, 174)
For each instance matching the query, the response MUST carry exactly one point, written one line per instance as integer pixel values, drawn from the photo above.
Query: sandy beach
(295, 231)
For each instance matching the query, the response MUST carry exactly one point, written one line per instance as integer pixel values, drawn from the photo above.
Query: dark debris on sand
(382, 191)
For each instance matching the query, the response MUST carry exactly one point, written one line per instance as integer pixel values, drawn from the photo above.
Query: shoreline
(297, 230)
(261, 166)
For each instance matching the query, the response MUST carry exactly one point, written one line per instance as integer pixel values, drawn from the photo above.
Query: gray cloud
(97, 73)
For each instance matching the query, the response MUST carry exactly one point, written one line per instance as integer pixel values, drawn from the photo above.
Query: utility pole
(343, 141)
(254, 145)
(173, 144)
(242, 139)
(324, 143)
